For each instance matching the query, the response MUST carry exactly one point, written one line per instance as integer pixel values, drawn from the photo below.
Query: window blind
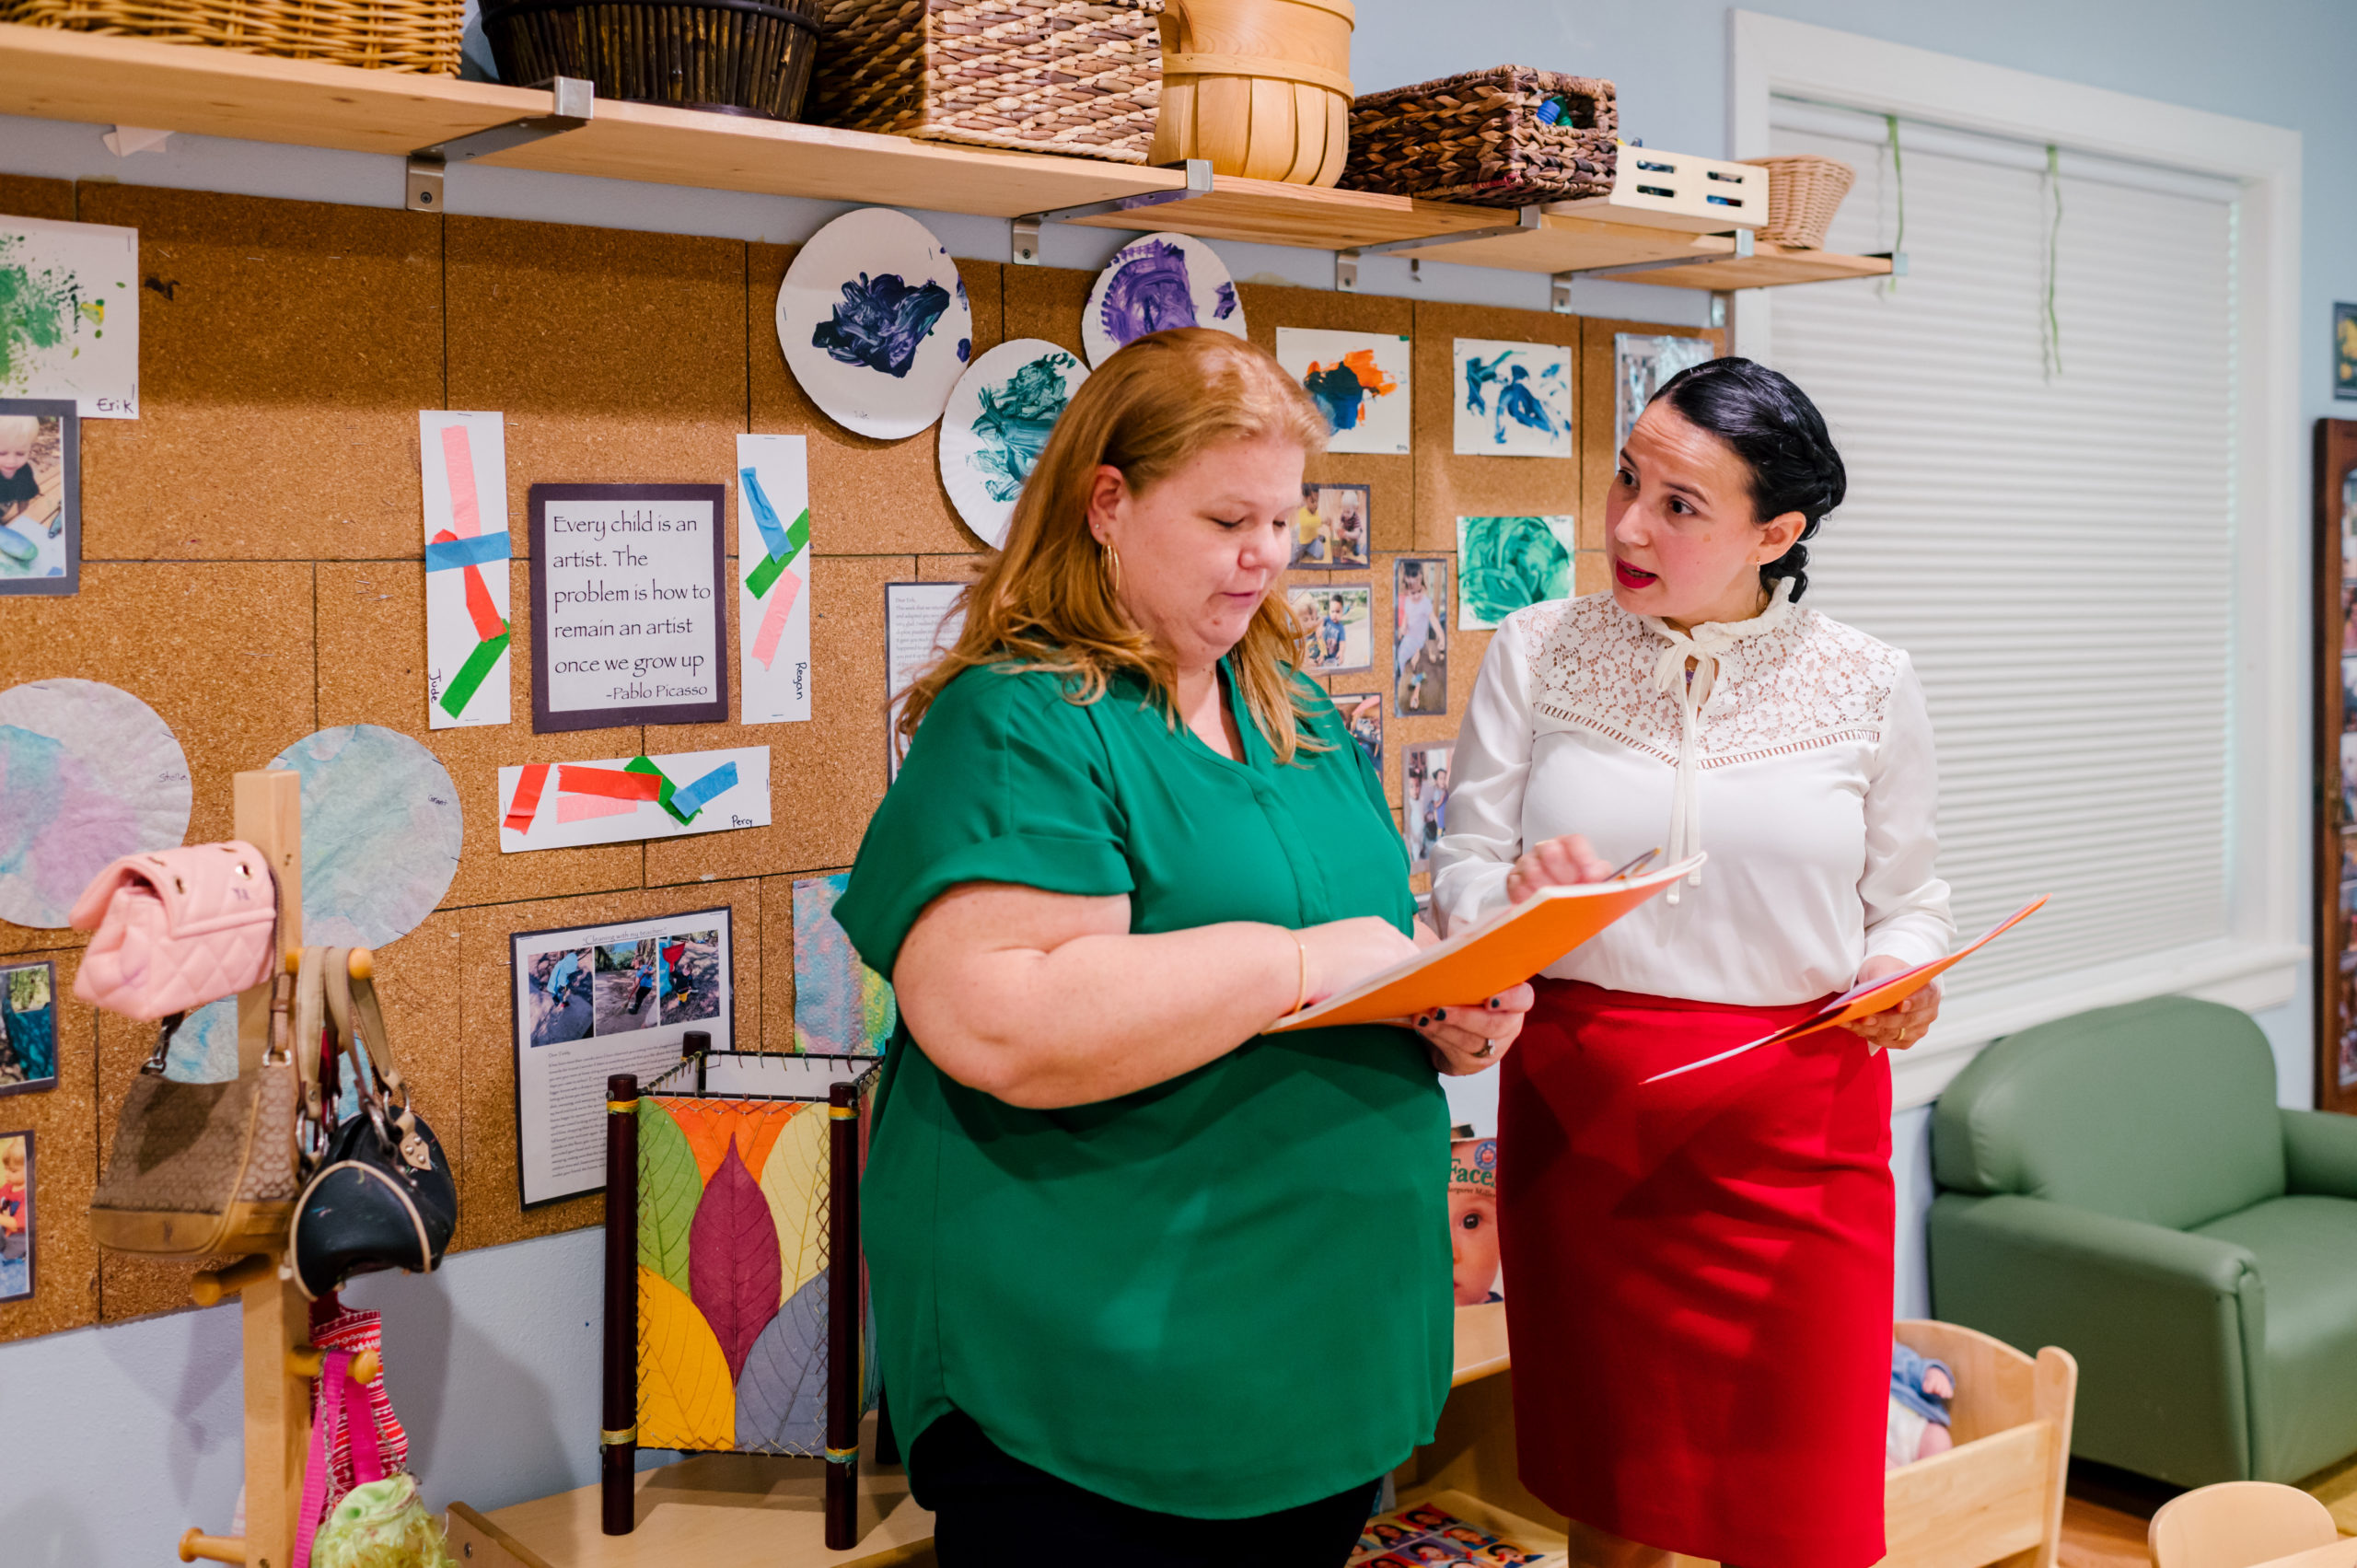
(2053, 546)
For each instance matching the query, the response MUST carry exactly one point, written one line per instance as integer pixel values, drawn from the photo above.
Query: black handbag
(382, 1197)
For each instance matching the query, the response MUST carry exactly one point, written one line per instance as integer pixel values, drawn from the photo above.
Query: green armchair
(2122, 1184)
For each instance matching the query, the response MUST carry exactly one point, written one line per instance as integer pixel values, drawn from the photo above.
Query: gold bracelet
(1301, 991)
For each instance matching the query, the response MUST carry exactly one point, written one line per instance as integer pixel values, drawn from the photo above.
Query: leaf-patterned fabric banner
(732, 1274)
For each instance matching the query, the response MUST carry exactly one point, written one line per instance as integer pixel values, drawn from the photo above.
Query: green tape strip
(461, 689)
(797, 536)
(764, 575)
(641, 765)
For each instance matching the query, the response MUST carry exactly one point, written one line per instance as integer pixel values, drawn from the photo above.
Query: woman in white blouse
(1699, 1270)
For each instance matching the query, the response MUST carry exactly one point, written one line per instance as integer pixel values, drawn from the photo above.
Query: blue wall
(121, 1438)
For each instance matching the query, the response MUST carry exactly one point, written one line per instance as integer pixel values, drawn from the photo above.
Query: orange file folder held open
(1482, 960)
(1863, 1001)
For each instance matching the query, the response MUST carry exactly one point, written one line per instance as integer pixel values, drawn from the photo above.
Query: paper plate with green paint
(381, 833)
(89, 773)
(996, 425)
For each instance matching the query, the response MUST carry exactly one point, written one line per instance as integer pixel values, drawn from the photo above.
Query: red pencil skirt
(1698, 1276)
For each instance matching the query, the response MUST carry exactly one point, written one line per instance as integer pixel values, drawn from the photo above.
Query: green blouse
(1220, 1296)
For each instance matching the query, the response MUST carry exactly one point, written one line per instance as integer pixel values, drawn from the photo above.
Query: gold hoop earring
(1113, 570)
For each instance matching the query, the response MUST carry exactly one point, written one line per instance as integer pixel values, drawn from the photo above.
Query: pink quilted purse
(177, 929)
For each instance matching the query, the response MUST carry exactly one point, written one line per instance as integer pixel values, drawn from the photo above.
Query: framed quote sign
(628, 621)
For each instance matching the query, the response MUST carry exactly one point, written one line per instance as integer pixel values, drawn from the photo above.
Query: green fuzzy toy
(381, 1525)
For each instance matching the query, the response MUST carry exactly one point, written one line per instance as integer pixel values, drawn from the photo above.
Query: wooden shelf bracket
(1346, 262)
(1025, 235)
(572, 104)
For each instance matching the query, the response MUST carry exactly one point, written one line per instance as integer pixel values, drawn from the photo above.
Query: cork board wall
(253, 572)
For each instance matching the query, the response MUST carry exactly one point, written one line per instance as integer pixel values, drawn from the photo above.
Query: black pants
(991, 1510)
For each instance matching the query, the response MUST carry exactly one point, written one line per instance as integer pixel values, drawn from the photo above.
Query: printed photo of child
(16, 1216)
(691, 977)
(626, 982)
(1331, 529)
(1337, 627)
(1363, 714)
(1420, 637)
(1423, 801)
(557, 988)
(28, 1027)
(40, 538)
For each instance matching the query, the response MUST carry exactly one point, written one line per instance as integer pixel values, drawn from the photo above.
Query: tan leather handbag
(200, 1170)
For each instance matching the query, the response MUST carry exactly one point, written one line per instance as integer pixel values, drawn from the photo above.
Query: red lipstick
(1629, 576)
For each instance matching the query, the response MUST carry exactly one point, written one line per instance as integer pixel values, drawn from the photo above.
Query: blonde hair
(23, 426)
(1047, 602)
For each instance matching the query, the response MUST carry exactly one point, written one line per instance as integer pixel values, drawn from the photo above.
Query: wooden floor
(2097, 1537)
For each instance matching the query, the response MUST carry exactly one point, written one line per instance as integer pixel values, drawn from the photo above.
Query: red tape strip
(612, 783)
(526, 804)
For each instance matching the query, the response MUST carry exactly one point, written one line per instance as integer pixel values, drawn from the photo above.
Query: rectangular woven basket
(1498, 138)
(377, 35)
(1079, 76)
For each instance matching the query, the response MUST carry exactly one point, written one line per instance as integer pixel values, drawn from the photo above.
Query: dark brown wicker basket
(1486, 137)
(736, 56)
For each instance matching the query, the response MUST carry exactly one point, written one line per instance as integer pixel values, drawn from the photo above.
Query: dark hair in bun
(1781, 437)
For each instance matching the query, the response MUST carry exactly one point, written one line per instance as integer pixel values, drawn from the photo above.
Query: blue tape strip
(765, 515)
(693, 798)
(481, 551)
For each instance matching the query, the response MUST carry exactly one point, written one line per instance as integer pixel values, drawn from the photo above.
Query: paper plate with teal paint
(874, 322)
(381, 834)
(997, 420)
(89, 773)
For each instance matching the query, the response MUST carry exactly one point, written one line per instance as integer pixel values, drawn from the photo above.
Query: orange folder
(1483, 959)
(1862, 1001)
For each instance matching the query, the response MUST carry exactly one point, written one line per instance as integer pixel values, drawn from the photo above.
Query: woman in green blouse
(1152, 1287)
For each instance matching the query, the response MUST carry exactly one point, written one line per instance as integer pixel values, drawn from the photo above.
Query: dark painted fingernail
(1495, 1001)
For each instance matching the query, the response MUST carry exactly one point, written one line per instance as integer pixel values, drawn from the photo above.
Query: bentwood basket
(736, 57)
(380, 35)
(1079, 76)
(1500, 138)
(1260, 88)
(1803, 192)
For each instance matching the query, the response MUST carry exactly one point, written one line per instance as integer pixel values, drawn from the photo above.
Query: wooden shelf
(52, 74)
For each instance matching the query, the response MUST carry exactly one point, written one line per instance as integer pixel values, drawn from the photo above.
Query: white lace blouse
(1799, 755)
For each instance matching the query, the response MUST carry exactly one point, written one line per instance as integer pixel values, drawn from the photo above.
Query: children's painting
(69, 315)
(1513, 400)
(841, 1007)
(40, 497)
(16, 1216)
(1642, 363)
(774, 578)
(617, 799)
(560, 990)
(463, 463)
(1423, 801)
(996, 425)
(28, 1028)
(1473, 1220)
(381, 833)
(874, 323)
(1155, 284)
(89, 773)
(2344, 351)
(1337, 627)
(1330, 530)
(1363, 711)
(1504, 563)
(1359, 381)
(1420, 636)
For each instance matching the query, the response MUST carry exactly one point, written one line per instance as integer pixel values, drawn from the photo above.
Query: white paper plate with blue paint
(874, 323)
(381, 833)
(997, 422)
(89, 773)
(1152, 285)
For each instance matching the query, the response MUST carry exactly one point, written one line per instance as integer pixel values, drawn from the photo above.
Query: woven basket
(1501, 138)
(377, 35)
(1262, 88)
(1803, 192)
(736, 57)
(1080, 76)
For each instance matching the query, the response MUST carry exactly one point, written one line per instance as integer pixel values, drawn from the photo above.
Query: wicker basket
(1499, 138)
(1260, 88)
(377, 35)
(1803, 192)
(1080, 76)
(736, 57)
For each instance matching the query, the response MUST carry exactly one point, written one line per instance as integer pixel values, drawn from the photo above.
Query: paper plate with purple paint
(1155, 284)
(874, 323)
(89, 773)
(996, 425)
(381, 833)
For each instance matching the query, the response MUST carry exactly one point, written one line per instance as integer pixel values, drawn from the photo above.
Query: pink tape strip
(459, 459)
(782, 598)
(582, 807)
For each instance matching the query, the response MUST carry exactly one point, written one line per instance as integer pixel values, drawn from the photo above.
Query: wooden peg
(305, 1361)
(360, 963)
(213, 1548)
(209, 1289)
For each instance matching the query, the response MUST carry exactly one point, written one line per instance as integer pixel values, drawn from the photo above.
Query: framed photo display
(2336, 765)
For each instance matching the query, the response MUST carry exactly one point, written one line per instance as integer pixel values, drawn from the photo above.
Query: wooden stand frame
(2336, 780)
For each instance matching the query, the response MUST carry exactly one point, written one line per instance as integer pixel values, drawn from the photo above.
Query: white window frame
(2257, 964)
